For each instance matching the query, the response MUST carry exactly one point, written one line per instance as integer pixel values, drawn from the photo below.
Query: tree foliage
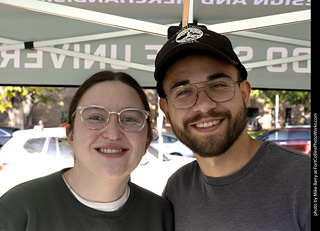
(40, 95)
(18, 102)
(294, 97)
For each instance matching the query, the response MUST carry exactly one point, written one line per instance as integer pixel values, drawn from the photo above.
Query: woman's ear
(147, 145)
(69, 134)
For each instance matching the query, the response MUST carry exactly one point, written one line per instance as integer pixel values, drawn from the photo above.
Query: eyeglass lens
(97, 118)
(219, 90)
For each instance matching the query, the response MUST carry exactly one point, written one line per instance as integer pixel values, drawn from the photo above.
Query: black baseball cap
(193, 40)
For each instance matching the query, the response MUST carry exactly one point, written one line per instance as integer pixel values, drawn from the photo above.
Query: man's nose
(204, 103)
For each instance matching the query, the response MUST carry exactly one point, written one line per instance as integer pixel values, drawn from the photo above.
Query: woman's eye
(129, 120)
(95, 117)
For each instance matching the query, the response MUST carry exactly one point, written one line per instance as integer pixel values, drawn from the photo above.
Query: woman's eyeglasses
(97, 117)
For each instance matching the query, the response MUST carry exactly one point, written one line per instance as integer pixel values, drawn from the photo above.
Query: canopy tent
(62, 42)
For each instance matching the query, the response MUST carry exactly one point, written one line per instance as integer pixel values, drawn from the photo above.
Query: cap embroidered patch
(189, 35)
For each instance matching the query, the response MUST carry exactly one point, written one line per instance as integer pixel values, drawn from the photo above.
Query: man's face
(208, 128)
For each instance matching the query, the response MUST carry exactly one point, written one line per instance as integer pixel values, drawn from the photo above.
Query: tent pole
(261, 22)
(149, 68)
(185, 13)
(53, 42)
(273, 38)
(137, 66)
(277, 61)
(89, 16)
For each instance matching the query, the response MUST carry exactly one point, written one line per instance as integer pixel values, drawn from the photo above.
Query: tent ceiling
(64, 31)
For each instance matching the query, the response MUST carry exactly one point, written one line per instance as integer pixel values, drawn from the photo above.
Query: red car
(295, 137)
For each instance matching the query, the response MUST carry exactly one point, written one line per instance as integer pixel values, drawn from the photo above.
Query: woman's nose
(113, 129)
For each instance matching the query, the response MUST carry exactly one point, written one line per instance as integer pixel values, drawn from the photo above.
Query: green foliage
(294, 97)
(40, 95)
(4, 105)
(255, 134)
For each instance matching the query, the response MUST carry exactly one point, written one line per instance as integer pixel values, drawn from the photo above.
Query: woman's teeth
(110, 151)
(208, 124)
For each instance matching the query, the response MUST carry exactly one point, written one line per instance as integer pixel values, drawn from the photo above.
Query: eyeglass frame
(205, 90)
(81, 108)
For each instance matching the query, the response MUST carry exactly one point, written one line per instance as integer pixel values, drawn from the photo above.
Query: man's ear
(245, 88)
(164, 107)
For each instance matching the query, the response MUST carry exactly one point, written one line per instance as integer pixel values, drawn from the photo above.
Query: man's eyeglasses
(97, 117)
(218, 90)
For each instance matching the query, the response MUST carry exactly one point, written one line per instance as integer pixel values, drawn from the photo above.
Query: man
(236, 182)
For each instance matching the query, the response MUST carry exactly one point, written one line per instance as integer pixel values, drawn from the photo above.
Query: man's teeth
(110, 151)
(208, 124)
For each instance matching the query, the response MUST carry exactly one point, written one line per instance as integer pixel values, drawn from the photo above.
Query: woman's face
(94, 152)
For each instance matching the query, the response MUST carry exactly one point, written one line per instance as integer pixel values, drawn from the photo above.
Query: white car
(153, 173)
(171, 145)
(33, 153)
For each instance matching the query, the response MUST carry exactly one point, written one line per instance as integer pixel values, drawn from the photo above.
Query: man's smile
(207, 124)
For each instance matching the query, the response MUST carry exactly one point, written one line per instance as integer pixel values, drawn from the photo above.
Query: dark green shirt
(270, 193)
(47, 204)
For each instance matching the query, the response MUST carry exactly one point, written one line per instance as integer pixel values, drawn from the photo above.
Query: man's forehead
(197, 68)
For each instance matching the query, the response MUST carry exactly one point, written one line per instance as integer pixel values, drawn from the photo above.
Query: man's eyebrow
(179, 83)
(210, 77)
(218, 75)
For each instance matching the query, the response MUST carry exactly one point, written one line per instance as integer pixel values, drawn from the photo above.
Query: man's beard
(211, 146)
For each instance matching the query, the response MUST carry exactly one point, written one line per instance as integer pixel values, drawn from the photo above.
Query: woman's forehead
(112, 94)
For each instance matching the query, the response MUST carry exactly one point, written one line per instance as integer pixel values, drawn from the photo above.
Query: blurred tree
(18, 102)
(294, 97)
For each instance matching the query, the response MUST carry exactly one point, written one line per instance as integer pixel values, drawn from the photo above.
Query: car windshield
(288, 135)
(155, 153)
(49, 145)
(299, 135)
(167, 139)
(4, 134)
(278, 135)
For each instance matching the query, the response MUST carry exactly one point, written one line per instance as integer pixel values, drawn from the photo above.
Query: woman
(108, 131)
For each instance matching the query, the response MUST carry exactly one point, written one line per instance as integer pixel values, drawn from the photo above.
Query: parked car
(171, 145)
(31, 154)
(153, 174)
(6, 134)
(253, 123)
(295, 137)
(34, 153)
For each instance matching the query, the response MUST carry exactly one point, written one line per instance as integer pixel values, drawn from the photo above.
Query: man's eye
(183, 92)
(218, 85)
